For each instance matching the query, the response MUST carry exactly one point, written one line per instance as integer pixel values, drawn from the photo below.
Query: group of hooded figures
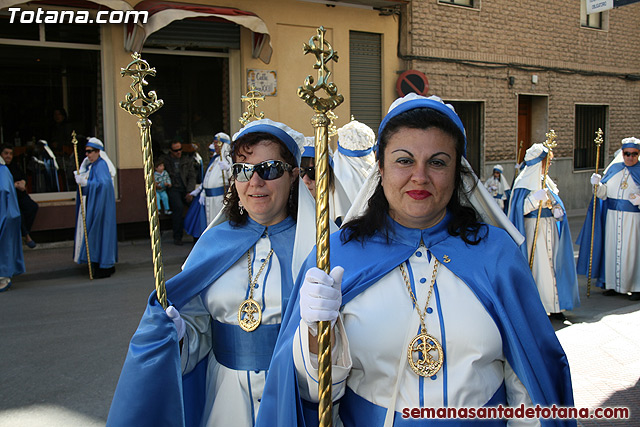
(610, 254)
(430, 301)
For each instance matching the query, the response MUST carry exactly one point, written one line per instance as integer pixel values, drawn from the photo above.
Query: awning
(163, 13)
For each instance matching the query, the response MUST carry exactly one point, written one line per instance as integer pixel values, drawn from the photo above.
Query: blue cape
(494, 270)
(12, 260)
(195, 221)
(584, 238)
(100, 217)
(151, 390)
(564, 261)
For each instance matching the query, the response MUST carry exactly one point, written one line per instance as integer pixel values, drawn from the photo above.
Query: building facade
(64, 76)
(514, 70)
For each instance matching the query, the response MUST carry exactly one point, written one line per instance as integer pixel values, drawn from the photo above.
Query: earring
(241, 207)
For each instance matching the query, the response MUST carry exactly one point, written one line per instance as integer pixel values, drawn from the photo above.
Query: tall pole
(74, 141)
(321, 106)
(138, 69)
(550, 144)
(598, 142)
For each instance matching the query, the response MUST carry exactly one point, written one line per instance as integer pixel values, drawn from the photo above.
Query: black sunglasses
(310, 170)
(267, 170)
(630, 154)
(176, 150)
(89, 151)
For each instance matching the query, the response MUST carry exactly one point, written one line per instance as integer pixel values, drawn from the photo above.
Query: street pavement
(64, 338)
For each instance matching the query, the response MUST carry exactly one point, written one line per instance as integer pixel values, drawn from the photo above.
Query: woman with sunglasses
(96, 179)
(430, 307)
(617, 232)
(553, 261)
(227, 302)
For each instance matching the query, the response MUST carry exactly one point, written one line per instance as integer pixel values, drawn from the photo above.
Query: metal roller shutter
(197, 34)
(365, 77)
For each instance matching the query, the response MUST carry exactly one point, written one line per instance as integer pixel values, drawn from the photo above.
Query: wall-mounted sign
(412, 81)
(263, 80)
(595, 6)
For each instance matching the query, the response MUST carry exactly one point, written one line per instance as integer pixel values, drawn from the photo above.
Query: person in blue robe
(553, 262)
(204, 361)
(616, 252)
(414, 259)
(96, 179)
(12, 260)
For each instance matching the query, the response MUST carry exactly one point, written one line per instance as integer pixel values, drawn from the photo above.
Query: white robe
(233, 398)
(352, 171)
(375, 330)
(213, 178)
(622, 234)
(497, 188)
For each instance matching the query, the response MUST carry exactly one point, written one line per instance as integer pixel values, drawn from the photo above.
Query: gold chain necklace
(250, 309)
(624, 184)
(419, 353)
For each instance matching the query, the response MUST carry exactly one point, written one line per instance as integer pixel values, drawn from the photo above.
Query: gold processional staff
(138, 69)
(598, 142)
(550, 144)
(74, 141)
(324, 53)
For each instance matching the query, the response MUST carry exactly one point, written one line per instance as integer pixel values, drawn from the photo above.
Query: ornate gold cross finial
(550, 143)
(138, 69)
(324, 53)
(598, 139)
(332, 129)
(252, 97)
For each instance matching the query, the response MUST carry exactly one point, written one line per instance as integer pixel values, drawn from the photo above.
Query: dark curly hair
(231, 199)
(465, 221)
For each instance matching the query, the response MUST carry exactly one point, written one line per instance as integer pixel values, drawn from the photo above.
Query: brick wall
(469, 54)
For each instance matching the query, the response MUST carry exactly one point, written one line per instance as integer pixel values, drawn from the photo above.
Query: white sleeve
(196, 343)
(530, 204)
(601, 192)
(307, 363)
(517, 394)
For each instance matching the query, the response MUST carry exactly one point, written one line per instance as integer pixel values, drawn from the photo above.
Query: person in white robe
(420, 320)
(497, 185)
(553, 261)
(354, 158)
(216, 178)
(616, 260)
(339, 202)
(227, 302)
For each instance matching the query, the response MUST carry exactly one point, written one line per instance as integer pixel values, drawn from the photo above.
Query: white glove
(634, 199)
(224, 165)
(197, 191)
(81, 179)
(202, 198)
(321, 297)
(517, 166)
(540, 195)
(493, 188)
(595, 178)
(558, 213)
(174, 315)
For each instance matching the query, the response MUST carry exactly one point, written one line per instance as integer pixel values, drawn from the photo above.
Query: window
(365, 53)
(465, 3)
(597, 21)
(588, 119)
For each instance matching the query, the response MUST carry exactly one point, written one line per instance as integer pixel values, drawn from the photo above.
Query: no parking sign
(412, 81)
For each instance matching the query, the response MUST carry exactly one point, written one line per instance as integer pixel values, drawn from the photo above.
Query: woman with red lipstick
(228, 301)
(430, 306)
